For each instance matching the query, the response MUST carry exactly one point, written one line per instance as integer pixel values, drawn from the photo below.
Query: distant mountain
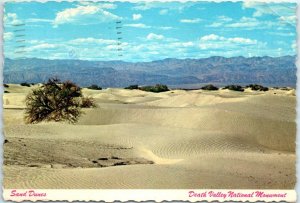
(275, 71)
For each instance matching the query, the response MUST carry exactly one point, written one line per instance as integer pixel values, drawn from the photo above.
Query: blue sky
(148, 31)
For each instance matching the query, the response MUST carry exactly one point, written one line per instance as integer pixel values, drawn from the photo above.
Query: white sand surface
(176, 139)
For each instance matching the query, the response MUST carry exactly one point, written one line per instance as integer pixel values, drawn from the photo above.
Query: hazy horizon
(152, 60)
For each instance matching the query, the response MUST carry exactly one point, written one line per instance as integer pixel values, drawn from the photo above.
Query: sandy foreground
(135, 140)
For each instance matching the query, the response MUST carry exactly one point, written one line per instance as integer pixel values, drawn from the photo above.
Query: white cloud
(165, 28)
(283, 34)
(213, 41)
(8, 36)
(286, 12)
(252, 23)
(163, 11)
(137, 25)
(35, 42)
(224, 18)
(153, 36)
(11, 19)
(213, 37)
(182, 44)
(215, 24)
(44, 46)
(116, 46)
(176, 6)
(220, 21)
(241, 40)
(107, 5)
(195, 20)
(245, 22)
(91, 40)
(89, 14)
(146, 5)
(98, 4)
(136, 16)
(105, 49)
(38, 20)
(187, 44)
(71, 14)
(288, 20)
(276, 9)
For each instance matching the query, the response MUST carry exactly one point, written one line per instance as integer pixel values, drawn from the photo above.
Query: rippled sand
(177, 139)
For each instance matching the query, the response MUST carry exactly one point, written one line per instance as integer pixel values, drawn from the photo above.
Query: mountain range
(271, 71)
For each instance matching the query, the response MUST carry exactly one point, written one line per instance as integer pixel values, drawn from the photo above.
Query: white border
(109, 195)
(144, 195)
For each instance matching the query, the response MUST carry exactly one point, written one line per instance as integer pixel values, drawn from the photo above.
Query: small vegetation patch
(56, 101)
(157, 88)
(6, 91)
(209, 87)
(6, 85)
(87, 102)
(234, 88)
(94, 87)
(257, 87)
(25, 84)
(285, 88)
(132, 87)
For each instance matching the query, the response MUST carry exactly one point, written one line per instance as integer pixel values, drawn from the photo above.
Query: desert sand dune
(175, 139)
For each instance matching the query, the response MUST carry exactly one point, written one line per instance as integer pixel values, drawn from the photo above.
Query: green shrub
(94, 87)
(257, 87)
(6, 91)
(234, 88)
(53, 101)
(132, 87)
(87, 102)
(209, 87)
(157, 88)
(25, 84)
(6, 85)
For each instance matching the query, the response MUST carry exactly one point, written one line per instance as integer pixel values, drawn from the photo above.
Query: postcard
(119, 100)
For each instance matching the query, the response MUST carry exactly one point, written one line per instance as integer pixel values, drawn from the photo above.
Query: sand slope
(175, 139)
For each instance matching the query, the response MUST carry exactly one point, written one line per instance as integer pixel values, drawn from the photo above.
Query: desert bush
(53, 101)
(25, 84)
(132, 87)
(234, 88)
(157, 88)
(285, 88)
(94, 87)
(257, 87)
(6, 91)
(6, 85)
(87, 102)
(209, 87)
